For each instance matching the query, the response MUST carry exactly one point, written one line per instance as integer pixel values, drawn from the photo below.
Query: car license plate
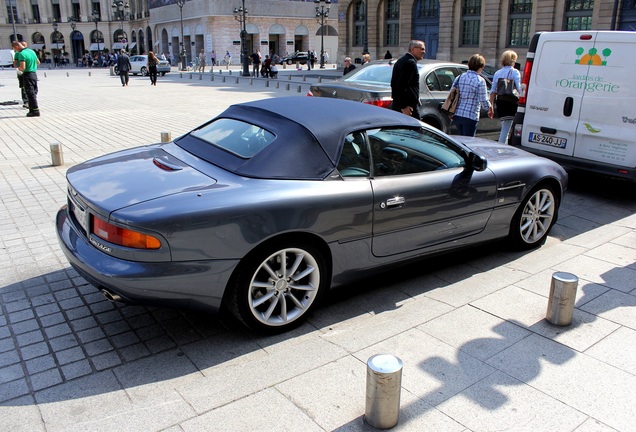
(548, 140)
(80, 215)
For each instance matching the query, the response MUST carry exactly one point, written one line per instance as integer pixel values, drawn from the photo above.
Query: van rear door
(607, 120)
(555, 92)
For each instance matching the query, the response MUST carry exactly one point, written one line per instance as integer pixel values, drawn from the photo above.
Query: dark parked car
(263, 209)
(297, 57)
(371, 84)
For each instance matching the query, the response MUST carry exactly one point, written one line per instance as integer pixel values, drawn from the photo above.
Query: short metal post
(319, 79)
(277, 84)
(200, 77)
(251, 81)
(57, 158)
(212, 77)
(562, 297)
(223, 79)
(165, 137)
(384, 382)
(267, 83)
(237, 80)
(190, 76)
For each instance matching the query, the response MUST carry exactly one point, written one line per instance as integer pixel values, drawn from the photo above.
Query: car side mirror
(477, 162)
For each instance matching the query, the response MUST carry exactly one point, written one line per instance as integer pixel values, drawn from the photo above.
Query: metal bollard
(251, 81)
(57, 158)
(200, 77)
(165, 137)
(267, 83)
(237, 80)
(562, 297)
(223, 79)
(277, 84)
(319, 79)
(384, 382)
(212, 77)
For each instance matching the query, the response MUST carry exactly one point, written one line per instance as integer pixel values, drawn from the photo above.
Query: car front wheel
(534, 218)
(144, 71)
(277, 287)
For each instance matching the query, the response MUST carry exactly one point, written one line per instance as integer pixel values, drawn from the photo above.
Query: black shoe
(33, 114)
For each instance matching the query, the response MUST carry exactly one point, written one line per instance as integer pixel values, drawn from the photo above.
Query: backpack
(506, 90)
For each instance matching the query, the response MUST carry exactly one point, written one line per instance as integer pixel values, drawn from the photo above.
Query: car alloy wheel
(276, 289)
(144, 71)
(534, 219)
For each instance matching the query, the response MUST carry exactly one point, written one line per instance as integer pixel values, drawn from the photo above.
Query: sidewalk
(478, 354)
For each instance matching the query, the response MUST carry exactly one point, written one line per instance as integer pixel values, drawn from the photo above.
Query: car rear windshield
(375, 74)
(237, 137)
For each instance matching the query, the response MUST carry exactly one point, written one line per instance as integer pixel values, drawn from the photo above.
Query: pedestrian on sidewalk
(152, 67)
(25, 99)
(124, 66)
(202, 61)
(27, 61)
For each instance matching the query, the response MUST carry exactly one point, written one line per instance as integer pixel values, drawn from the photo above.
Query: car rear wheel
(278, 286)
(534, 218)
(163, 73)
(144, 71)
(289, 62)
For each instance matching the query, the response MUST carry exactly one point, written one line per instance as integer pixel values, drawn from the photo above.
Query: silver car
(139, 65)
(272, 203)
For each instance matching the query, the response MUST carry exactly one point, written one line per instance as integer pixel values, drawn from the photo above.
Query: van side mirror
(477, 162)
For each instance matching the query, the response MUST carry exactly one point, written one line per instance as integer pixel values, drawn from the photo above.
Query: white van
(6, 58)
(578, 102)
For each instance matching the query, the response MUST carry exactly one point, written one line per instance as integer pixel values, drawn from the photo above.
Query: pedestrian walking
(405, 81)
(472, 95)
(506, 107)
(124, 67)
(202, 61)
(256, 62)
(27, 64)
(348, 66)
(152, 68)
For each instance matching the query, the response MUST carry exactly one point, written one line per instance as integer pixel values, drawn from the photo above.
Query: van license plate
(548, 140)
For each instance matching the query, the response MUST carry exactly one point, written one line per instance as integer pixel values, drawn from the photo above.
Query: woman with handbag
(504, 94)
(473, 94)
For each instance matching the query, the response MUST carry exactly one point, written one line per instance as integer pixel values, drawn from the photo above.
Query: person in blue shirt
(472, 95)
(506, 109)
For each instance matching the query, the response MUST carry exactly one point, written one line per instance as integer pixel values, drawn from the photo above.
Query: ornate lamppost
(120, 10)
(97, 38)
(182, 53)
(322, 12)
(240, 14)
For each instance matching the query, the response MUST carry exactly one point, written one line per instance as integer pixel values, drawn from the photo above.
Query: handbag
(506, 90)
(450, 104)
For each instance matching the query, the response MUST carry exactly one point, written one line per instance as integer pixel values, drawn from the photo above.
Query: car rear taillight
(525, 81)
(122, 236)
(382, 103)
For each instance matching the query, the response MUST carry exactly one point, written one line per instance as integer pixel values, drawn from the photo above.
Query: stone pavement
(478, 354)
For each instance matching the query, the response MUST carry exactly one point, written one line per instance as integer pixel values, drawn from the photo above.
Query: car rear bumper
(192, 284)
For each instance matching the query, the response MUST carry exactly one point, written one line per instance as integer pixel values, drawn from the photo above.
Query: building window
(35, 10)
(55, 11)
(578, 14)
(75, 11)
(471, 15)
(427, 9)
(359, 23)
(392, 17)
(520, 19)
(12, 12)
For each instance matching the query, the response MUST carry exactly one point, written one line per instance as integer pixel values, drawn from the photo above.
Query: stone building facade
(71, 26)
(456, 29)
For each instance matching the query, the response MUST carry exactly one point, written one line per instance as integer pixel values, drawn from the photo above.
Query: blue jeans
(465, 126)
(505, 129)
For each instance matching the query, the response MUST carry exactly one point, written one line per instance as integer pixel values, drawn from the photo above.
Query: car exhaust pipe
(111, 297)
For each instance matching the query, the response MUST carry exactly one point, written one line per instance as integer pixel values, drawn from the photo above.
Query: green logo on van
(592, 58)
(590, 128)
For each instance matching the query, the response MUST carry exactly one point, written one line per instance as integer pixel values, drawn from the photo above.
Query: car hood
(121, 179)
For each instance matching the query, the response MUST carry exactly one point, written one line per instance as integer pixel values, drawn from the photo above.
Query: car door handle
(393, 202)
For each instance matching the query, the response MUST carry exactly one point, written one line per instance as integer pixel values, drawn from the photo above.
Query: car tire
(289, 62)
(116, 70)
(144, 71)
(277, 286)
(534, 218)
(163, 74)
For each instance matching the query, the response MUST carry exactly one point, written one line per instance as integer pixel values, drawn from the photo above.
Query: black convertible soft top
(309, 132)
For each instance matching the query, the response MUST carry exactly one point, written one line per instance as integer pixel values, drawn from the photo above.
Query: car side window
(354, 159)
(399, 151)
(441, 79)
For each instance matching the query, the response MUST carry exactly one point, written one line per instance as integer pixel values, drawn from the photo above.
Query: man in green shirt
(27, 63)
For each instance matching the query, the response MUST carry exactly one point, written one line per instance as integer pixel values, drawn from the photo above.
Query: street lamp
(97, 39)
(182, 54)
(240, 14)
(120, 10)
(322, 12)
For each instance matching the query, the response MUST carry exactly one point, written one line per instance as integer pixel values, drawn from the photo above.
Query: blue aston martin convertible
(267, 206)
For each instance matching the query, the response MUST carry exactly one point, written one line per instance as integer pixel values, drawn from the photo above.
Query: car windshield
(237, 137)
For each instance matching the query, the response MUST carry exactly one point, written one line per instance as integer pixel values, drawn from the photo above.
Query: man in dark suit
(124, 66)
(405, 81)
